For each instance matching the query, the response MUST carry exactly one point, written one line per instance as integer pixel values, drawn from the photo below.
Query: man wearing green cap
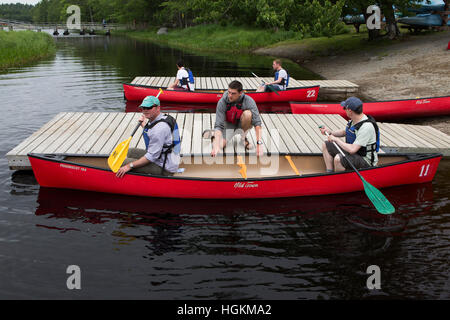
(158, 157)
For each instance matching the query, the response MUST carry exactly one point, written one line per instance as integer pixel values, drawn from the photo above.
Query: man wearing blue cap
(362, 140)
(158, 157)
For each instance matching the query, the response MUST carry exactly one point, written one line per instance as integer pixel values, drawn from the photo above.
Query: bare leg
(338, 167)
(328, 159)
(246, 124)
(261, 88)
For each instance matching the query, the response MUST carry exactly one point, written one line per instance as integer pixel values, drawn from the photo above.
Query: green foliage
(315, 19)
(18, 11)
(18, 47)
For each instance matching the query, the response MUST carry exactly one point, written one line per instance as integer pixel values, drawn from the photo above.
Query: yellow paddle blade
(243, 170)
(292, 164)
(119, 154)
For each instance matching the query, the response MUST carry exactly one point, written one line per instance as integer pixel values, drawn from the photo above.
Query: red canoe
(384, 110)
(223, 181)
(138, 93)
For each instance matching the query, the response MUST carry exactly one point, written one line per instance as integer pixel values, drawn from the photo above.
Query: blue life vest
(284, 82)
(350, 137)
(190, 79)
(175, 146)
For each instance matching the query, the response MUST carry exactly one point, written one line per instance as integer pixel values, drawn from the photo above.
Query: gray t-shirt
(158, 136)
(364, 136)
(247, 104)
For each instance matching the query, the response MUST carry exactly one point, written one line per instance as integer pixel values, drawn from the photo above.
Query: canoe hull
(57, 173)
(138, 93)
(383, 110)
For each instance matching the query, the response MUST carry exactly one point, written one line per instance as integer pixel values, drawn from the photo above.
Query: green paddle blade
(378, 199)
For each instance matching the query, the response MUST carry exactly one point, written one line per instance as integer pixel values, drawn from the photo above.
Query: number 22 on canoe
(119, 154)
(375, 196)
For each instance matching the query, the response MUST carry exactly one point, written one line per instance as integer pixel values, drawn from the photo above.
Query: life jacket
(350, 137)
(284, 82)
(175, 146)
(189, 79)
(234, 111)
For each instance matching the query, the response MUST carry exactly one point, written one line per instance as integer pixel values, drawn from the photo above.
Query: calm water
(127, 247)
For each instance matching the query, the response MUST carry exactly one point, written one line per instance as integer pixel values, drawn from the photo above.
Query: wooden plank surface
(100, 132)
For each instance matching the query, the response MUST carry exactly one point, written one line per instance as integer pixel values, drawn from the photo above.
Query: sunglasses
(148, 108)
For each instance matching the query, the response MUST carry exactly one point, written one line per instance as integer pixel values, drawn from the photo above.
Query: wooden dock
(329, 89)
(100, 132)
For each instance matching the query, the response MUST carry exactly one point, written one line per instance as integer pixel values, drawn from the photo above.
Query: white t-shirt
(282, 74)
(182, 73)
(364, 136)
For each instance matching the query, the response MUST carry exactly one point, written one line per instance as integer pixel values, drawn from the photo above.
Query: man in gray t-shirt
(235, 113)
(361, 140)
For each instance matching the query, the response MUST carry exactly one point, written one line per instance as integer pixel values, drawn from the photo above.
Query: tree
(387, 10)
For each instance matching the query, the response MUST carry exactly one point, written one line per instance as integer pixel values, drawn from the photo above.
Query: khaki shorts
(231, 130)
(355, 159)
(151, 168)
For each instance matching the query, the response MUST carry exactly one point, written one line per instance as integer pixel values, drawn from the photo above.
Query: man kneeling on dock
(362, 140)
(236, 113)
(159, 157)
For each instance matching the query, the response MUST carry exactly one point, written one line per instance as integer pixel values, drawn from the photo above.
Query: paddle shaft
(258, 78)
(137, 127)
(268, 85)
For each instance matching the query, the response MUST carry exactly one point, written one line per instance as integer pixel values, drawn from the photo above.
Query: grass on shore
(21, 47)
(232, 39)
(215, 38)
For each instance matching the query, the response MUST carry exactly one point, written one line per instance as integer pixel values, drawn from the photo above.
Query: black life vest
(167, 148)
(350, 137)
(234, 111)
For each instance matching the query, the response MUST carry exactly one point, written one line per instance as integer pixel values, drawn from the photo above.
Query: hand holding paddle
(119, 154)
(268, 86)
(375, 196)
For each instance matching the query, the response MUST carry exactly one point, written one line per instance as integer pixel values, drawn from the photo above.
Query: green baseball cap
(150, 101)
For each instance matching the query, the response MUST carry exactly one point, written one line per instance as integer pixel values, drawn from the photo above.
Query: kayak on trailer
(232, 181)
(384, 110)
(138, 92)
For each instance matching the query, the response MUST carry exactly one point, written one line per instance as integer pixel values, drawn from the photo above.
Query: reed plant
(21, 47)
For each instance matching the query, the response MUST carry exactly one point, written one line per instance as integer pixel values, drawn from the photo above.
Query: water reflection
(95, 207)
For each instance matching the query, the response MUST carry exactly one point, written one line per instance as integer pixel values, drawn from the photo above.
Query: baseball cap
(150, 101)
(352, 103)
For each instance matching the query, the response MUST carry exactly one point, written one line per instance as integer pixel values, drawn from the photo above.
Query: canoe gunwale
(411, 157)
(216, 90)
(377, 101)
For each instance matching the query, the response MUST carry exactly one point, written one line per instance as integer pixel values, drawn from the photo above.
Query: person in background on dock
(158, 158)
(236, 113)
(362, 140)
(184, 80)
(281, 79)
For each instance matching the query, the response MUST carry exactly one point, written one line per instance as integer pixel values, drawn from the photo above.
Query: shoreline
(415, 66)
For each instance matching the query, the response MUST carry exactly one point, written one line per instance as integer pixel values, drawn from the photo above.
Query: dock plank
(68, 136)
(47, 134)
(284, 134)
(35, 135)
(187, 138)
(100, 132)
